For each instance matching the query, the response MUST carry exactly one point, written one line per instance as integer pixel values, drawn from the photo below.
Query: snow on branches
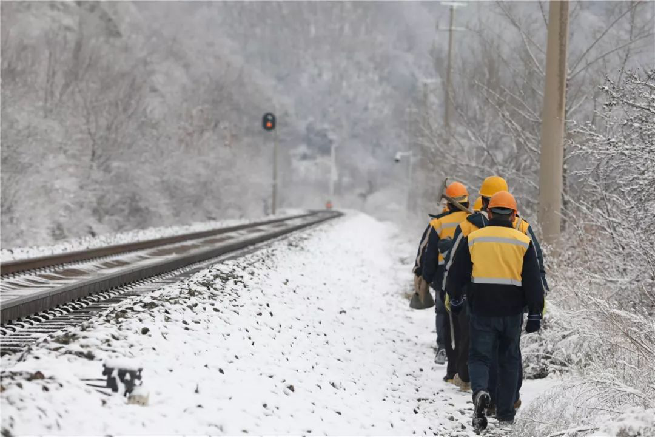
(604, 279)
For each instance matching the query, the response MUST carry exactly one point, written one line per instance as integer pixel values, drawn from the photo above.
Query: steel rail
(51, 298)
(24, 265)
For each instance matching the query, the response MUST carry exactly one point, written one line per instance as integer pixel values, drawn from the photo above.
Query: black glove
(533, 324)
(456, 306)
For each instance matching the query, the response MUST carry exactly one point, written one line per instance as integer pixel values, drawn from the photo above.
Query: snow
(636, 421)
(89, 242)
(122, 363)
(311, 335)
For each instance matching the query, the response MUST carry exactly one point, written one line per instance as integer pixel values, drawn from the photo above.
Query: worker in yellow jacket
(438, 241)
(489, 187)
(498, 267)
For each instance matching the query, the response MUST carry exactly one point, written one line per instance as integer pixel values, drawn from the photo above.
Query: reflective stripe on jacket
(472, 223)
(521, 225)
(497, 255)
(418, 262)
(440, 228)
(479, 220)
(498, 269)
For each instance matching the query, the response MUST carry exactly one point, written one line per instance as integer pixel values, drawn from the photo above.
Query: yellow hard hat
(492, 185)
(477, 206)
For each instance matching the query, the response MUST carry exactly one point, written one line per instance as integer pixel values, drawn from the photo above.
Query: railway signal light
(268, 121)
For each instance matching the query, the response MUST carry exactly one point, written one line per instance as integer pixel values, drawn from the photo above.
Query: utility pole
(333, 170)
(449, 72)
(446, 117)
(398, 158)
(274, 170)
(268, 123)
(552, 123)
(408, 133)
(409, 183)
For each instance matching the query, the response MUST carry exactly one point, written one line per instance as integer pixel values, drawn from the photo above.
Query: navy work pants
(441, 321)
(493, 378)
(441, 317)
(487, 333)
(461, 322)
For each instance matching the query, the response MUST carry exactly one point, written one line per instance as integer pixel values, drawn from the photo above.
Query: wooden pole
(552, 123)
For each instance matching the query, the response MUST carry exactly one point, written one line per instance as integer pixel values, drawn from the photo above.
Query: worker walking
(418, 261)
(523, 226)
(439, 240)
(498, 267)
(475, 221)
(422, 298)
(489, 187)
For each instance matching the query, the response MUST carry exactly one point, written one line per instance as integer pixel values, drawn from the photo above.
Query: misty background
(124, 115)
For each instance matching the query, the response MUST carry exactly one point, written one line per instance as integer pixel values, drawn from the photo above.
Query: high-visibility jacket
(472, 223)
(479, 220)
(522, 225)
(498, 267)
(418, 262)
(440, 228)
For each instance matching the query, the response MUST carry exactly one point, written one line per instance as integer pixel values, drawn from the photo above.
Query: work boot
(448, 378)
(491, 410)
(481, 401)
(440, 358)
(517, 404)
(463, 385)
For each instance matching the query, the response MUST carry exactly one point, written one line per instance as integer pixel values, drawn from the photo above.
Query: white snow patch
(311, 335)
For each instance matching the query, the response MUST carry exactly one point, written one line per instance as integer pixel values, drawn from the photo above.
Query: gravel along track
(38, 303)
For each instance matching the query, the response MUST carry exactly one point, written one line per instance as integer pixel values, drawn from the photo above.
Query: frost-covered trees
(124, 115)
(604, 273)
(602, 303)
(108, 124)
(498, 85)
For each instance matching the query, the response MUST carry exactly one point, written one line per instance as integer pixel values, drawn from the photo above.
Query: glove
(456, 306)
(533, 324)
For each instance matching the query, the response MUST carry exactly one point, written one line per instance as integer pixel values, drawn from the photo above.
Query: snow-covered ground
(89, 242)
(312, 335)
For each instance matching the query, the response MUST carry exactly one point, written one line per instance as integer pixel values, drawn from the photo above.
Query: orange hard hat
(457, 191)
(502, 199)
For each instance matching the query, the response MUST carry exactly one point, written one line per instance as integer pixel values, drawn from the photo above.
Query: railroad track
(41, 296)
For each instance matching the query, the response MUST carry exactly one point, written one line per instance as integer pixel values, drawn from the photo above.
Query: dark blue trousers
(486, 334)
(444, 334)
(493, 378)
(441, 321)
(441, 314)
